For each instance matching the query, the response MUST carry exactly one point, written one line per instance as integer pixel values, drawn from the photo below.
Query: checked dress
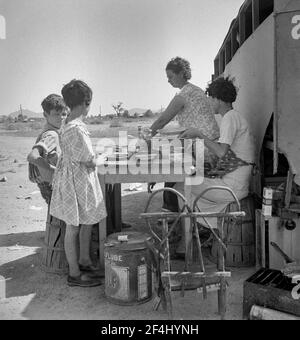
(77, 196)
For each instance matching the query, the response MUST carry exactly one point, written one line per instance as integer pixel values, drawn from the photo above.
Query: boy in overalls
(45, 152)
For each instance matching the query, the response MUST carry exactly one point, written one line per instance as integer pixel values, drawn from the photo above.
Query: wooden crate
(239, 236)
(260, 290)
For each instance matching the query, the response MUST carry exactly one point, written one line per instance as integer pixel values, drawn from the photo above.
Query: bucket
(54, 257)
(239, 236)
(128, 268)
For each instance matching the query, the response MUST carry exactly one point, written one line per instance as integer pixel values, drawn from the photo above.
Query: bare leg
(85, 242)
(71, 249)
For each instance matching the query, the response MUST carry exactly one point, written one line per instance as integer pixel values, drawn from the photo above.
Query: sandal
(92, 271)
(83, 280)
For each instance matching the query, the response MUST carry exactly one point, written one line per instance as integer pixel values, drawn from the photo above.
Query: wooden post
(266, 240)
(258, 241)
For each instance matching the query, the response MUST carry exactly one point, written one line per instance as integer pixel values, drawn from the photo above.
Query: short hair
(223, 89)
(179, 64)
(53, 102)
(76, 93)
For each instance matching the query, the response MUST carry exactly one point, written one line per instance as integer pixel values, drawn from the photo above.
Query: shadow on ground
(32, 239)
(41, 295)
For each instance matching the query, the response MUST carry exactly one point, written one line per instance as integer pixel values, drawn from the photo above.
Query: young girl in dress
(77, 197)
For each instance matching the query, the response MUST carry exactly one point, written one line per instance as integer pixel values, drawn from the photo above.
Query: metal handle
(281, 252)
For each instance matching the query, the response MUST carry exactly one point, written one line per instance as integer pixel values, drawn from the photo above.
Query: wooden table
(115, 194)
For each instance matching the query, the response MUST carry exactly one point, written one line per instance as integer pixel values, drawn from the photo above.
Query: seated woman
(235, 141)
(191, 107)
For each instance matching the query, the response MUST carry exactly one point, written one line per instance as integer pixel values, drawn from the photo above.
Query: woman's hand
(191, 133)
(146, 133)
(150, 187)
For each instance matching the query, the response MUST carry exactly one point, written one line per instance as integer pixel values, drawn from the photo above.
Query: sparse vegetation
(99, 126)
(118, 109)
(116, 123)
(94, 120)
(24, 126)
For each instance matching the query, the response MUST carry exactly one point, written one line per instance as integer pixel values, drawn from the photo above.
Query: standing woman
(190, 105)
(192, 108)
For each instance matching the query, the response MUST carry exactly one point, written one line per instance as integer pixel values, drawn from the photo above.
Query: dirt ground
(28, 292)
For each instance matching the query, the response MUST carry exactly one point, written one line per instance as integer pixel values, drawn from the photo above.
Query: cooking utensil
(287, 259)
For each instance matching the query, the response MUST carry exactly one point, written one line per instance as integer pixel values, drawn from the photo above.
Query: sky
(120, 48)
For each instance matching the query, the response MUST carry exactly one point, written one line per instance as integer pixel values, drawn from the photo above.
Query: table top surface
(152, 169)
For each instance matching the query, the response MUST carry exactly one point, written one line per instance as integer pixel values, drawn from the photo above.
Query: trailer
(261, 53)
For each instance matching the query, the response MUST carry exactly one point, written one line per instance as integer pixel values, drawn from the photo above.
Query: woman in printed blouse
(191, 107)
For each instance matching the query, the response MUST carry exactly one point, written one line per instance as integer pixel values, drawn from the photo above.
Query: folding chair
(168, 279)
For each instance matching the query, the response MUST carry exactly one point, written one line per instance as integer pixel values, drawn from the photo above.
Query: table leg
(117, 207)
(109, 200)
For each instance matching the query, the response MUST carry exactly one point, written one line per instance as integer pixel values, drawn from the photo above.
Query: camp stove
(270, 288)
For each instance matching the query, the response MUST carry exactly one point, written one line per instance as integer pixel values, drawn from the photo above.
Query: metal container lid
(130, 240)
